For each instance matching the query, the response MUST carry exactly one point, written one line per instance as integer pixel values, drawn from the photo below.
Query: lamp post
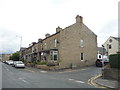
(102, 61)
(20, 40)
(103, 54)
(20, 44)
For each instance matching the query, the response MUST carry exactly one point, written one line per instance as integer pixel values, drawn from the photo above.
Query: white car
(14, 63)
(10, 62)
(19, 64)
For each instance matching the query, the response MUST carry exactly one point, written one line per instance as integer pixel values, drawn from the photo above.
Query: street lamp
(20, 44)
(20, 40)
(102, 61)
(103, 54)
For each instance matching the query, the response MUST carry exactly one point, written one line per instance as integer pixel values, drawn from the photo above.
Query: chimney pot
(47, 35)
(58, 29)
(79, 19)
(33, 43)
(39, 40)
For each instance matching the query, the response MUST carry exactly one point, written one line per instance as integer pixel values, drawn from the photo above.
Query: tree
(15, 56)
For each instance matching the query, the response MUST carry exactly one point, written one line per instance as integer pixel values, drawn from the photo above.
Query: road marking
(75, 80)
(70, 79)
(6, 68)
(43, 71)
(79, 81)
(90, 81)
(23, 80)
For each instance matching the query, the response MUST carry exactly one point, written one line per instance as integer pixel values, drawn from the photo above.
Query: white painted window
(41, 47)
(54, 55)
(55, 42)
(81, 43)
(45, 45)
(110, 46)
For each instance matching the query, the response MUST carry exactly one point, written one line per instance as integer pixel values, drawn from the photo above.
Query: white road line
(70, 79)
(79, 81)
(6, 68)
(43, 71)
(23, 80)
(75, 80)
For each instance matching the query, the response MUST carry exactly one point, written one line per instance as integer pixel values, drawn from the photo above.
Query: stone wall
(111, 73)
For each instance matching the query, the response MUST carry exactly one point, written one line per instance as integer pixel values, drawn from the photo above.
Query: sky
(30, 20)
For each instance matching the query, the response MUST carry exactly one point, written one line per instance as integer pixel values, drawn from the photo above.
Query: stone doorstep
(106, 83)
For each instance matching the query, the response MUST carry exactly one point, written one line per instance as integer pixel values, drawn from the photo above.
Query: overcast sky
(32, 19)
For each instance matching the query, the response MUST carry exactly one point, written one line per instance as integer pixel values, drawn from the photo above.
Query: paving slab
(107, 83)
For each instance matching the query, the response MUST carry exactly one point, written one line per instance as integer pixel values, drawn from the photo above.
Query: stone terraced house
(73, 46)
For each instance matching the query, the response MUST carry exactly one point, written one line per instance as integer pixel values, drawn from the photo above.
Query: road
(37, 78)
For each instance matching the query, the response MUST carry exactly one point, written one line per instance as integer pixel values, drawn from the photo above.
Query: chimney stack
(33, 43)
(47, 35)
(79, 19)
(39, 40)
(58, 29)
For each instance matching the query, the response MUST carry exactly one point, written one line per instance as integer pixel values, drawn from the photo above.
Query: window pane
(81, 43)
(110, 46)
(55, 57)
(81, 56)
(55, 42)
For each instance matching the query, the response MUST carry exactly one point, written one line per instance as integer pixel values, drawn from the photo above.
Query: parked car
(6, 62)
(10, 62)
(14, 63)
(19, 64)
(3, 61)
(101, 62)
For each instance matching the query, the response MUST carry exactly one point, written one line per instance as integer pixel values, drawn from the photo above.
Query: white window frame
(41, 47)
(81, 56)
(55, 42)
(81, 43)
(54, 53)
(45, 45)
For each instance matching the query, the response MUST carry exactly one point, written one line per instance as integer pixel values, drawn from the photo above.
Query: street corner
(72, 70)
(92, 82)
(99, 82)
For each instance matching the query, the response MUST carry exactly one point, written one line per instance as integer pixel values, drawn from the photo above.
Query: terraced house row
(73, 45)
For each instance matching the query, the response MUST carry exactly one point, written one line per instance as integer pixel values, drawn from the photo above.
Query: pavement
(110, 84)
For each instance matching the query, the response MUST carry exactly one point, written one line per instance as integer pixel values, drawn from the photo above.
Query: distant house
(112, 45)
(4, 57)
(73, 45)
(101, 52)
(22, 49)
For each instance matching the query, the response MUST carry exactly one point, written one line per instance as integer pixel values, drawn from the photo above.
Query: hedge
(114, 60)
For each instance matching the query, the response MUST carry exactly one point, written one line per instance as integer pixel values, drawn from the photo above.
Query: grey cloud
(110, 28)
(9, 43)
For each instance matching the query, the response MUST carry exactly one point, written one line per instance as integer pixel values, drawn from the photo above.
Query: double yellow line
(92, 83)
